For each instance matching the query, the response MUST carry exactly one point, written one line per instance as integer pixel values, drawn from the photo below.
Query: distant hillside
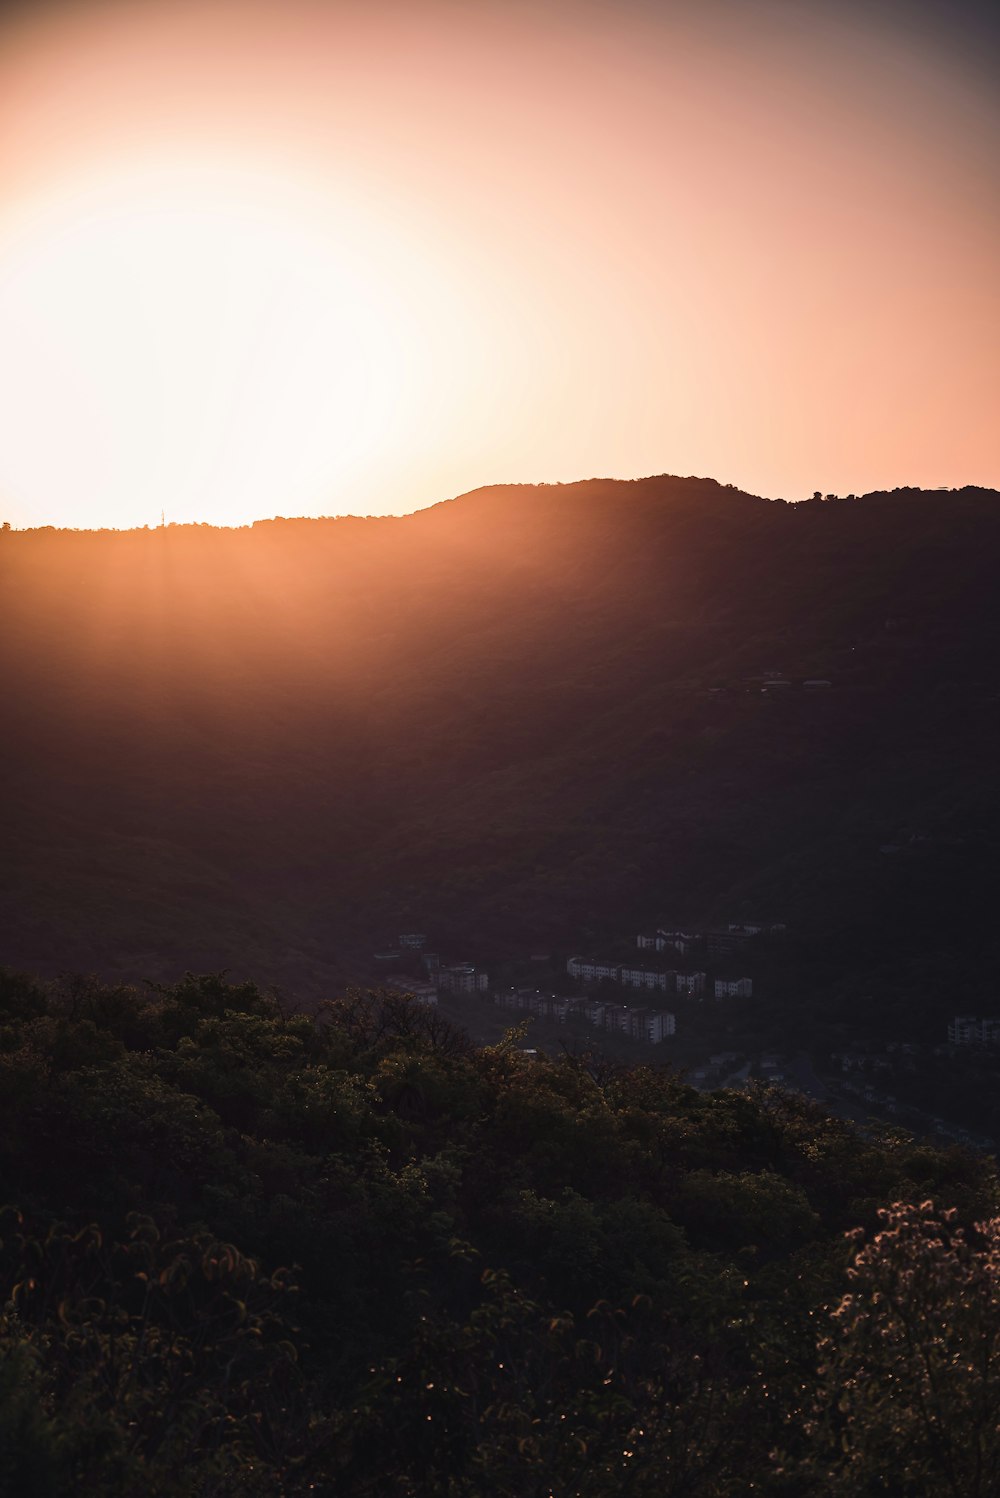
(528, 715)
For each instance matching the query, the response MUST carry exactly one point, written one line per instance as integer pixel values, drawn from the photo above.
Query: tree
(910, 1375)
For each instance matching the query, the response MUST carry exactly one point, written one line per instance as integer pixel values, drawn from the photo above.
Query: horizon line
(165, 524)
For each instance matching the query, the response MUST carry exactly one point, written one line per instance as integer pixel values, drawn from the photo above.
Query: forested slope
(528, 715)
(246, 1252)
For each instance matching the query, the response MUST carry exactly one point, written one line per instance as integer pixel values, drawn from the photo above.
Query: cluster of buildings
(409, 968)
(673, 941)
(462, 977)
(691, 983)
(652, 1025)
(735, 937)
(965, 1029)
(457, 977)
(634, 975)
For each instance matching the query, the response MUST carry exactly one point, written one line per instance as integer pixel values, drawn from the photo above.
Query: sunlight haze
(315, 259)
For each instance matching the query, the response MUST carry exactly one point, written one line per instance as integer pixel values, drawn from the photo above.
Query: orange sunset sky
(284, 257)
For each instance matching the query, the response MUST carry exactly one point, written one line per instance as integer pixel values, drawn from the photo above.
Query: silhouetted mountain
(530, 714)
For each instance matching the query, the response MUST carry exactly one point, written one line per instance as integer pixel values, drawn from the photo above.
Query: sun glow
(268, 257)
(203, 341)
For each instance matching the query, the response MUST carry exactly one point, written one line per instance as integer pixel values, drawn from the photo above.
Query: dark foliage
(250, 1252)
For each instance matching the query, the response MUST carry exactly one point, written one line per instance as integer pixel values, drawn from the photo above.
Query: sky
(298, 258)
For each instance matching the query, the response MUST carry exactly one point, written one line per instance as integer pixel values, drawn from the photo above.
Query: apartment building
(733, 988)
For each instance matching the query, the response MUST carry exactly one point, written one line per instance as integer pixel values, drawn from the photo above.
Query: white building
(664, 941)
(692, 984)
(652, 1025)
(733, 988)
(677, 941)
(965, 1029)
(642, 977)
(462, 977)
(595, 1011)
(590, 970)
